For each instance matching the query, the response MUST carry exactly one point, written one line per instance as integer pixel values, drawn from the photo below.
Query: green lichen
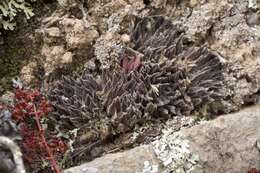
(9, 9)
(12, 56)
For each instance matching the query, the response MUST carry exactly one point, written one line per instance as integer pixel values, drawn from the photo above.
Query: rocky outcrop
(226, 144)
(126, 162)
(230, 28)
(93, 33)
(65, 40)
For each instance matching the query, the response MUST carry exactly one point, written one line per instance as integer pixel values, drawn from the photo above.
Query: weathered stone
(124, 162)
(76, 34)
(65, 38)
(66, 3)
(7, 97)
(226, 144)
(193, 3)
(107, 49)
(53, 32)
(27, 72)
(52, 57)
(56, 57)
(67, 58)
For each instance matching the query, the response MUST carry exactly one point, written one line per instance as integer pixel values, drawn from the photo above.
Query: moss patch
(18, 48)
(13, 57)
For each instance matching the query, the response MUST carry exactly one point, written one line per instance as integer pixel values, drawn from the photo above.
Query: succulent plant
(105, 104)
(117, 101)
(156, 37)
(167, 77)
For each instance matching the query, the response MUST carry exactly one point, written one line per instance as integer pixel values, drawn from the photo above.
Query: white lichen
(115, 20)
(252, 4)
(107, 50)
(174, 151)
(149, 168)
(258, 144)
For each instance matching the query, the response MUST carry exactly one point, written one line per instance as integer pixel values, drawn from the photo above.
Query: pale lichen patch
(175, 153)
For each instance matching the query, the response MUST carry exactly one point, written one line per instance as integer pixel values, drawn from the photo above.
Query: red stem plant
(29, 109)
(253, 170)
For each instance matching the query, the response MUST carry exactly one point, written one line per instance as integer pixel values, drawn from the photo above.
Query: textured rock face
(227, 144)
(27, 72)
(65, 40)
(76, 33)
(125, 162)
(229, 28)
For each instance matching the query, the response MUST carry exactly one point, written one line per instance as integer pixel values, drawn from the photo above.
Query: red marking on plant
(253, 170)
(30, 107)
(129, 65)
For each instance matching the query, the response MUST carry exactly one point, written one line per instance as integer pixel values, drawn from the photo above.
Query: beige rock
(67, 58)
(76, 34)
(124, 162)
(193, 3)
(66, 3)
(27, 72)
(55, 56)
(125, 38)
(107, 49)
(52, 55)
(7, 97)
(59, 32)
(226, 144)
(159, 3)
(108, 36)
(53, 32)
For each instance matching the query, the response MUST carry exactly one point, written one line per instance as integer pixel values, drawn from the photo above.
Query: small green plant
(9, 9)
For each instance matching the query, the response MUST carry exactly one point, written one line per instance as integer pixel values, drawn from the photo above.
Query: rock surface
(226, 144)
(123, 162)
(65, 40)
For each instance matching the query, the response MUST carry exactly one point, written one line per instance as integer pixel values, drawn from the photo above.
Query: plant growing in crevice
(164, 76)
